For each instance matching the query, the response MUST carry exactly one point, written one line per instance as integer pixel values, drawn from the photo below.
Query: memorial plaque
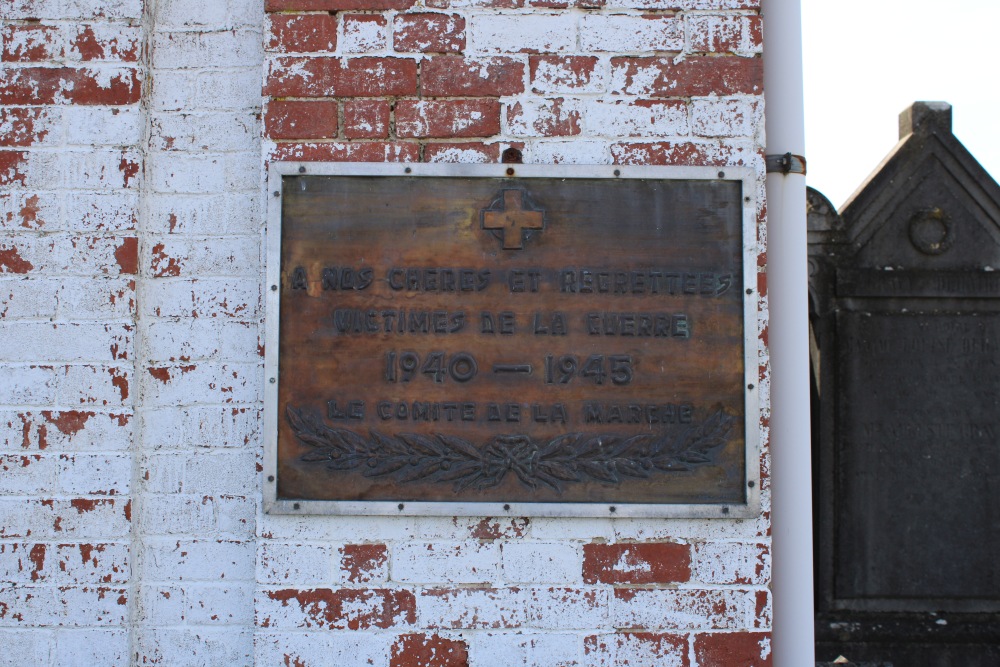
(511, 339)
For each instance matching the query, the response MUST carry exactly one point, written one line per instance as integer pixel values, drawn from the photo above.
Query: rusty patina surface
(534, 340)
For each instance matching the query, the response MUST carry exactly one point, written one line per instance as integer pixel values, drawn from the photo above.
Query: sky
(867, 61)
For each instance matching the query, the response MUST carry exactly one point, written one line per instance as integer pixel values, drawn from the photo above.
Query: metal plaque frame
(751, 342)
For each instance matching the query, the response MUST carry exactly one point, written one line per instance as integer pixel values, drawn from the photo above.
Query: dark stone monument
(905, 313)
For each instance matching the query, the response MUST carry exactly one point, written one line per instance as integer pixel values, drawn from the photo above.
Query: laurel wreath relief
(565, 459)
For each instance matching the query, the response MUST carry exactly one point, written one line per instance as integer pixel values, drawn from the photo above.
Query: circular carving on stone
(931, 231)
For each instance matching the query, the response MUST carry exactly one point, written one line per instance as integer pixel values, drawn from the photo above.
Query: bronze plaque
(508, 339)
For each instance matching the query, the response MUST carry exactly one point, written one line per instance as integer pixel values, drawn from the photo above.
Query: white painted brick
(635, 119)
(322, 648)
(160, 604)
(198, 426)
(211, 256)
(94, 474)
(79, 519)
(20, 211)
(102, 126)
(182, 90)
(725, 117)
(105, 298)
(621, 650)
(178, 514)
(20, 431)
(361, 33)
(101, 211)
(186, 340)
(459, 155)
(45, 123)
(179, 50)
(196, 647)
(283, 564)
(525, 650)
(163, 473)
(67, 606)
(220, 472)
(28, 298)
(205, 214)
(174, 14)
(94, 386)
(703, 31)
(43, 170)
(99, 169)
(26, 474)
(65, 564)
(570, 152)
(539, 118)
(91, 647)
(731, 563)
(630, 33)
(543, 528)
(218, 131)
(219, 605)
(169, 559)
(547, 33)
(67, 254)
(26, 647)
(31, 341)
(187, 173)
(206, 382)
(639, 530)
(208, 297)
(726, 609)
(236, 514)
(28, 385)
(550, 608)
(467, 563)
(542, 563)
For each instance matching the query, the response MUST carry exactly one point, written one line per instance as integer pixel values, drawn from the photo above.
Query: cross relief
(512, 223)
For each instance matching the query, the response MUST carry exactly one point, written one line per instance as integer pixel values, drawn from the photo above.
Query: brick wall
(133, 141)
(70, 161)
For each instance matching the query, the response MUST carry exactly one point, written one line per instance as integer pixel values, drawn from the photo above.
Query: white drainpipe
(788, 299)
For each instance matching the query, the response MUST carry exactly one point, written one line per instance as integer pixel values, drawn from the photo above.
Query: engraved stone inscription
(533, 340)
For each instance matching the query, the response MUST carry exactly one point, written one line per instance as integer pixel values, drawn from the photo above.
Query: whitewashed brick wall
(133, 141)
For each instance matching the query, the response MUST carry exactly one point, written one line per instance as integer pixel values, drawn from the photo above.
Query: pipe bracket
(785, 164)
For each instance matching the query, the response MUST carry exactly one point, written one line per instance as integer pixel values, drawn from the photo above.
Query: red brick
(12, 167)
(120, 45)
(363, 562)
(429, 33)
(29, 43)
(637, 648)
(455, 76)
(49, 85)
(546, 119)
(694, 76)
(734, 649)
(651, 563)
(303, 33)
(368, 151)
(366, 119)
(356, 77)
(447, 118)
(17, 126)
(335, 5)
(300, 120)
(349, 608)
(420, 650)
(722, 34)
(564, 73)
